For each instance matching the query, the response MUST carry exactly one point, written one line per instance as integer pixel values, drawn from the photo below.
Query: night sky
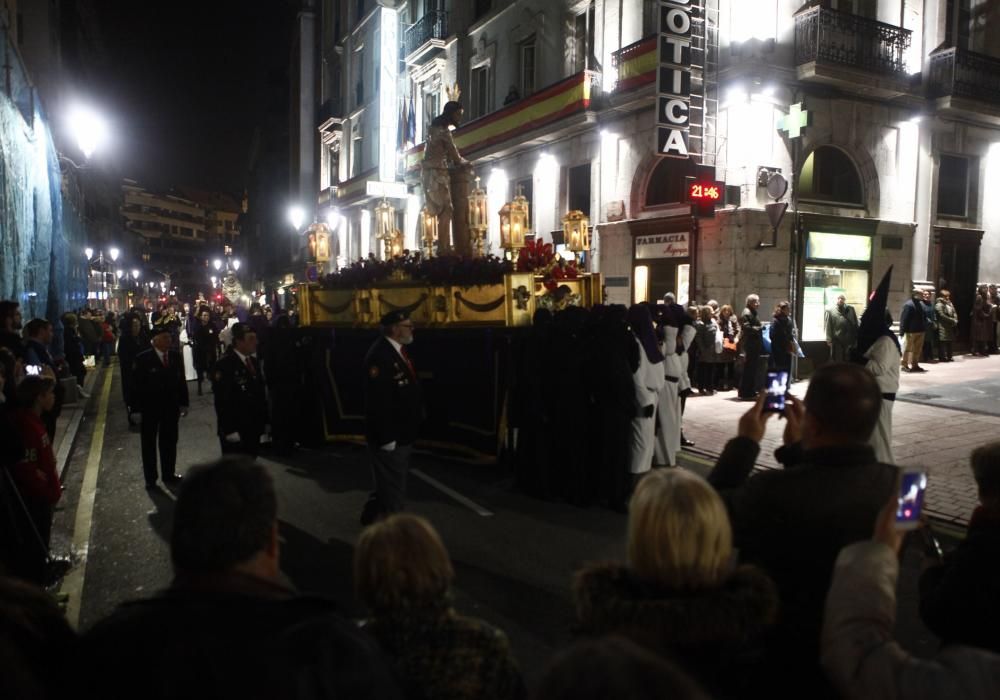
(186, 83)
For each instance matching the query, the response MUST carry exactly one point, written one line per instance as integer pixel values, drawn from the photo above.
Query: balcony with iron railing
(855, 52)
(635, 64)
(429, 32)
(966, 75)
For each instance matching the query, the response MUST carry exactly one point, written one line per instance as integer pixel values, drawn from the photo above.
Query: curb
(73, 422)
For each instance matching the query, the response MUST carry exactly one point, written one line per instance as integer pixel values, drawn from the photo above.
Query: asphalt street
(514, 556)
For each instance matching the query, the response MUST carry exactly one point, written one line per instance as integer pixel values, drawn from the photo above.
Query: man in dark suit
(240, 401)
(393, 412)
(160, 394)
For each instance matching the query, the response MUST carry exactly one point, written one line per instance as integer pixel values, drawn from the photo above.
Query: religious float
(470, 309)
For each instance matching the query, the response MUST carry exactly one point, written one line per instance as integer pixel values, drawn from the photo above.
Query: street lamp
(135, 274)
(89, 252)
(236, 265)
(114, 253)
(89, 130)
(217, 264)
(296, 215)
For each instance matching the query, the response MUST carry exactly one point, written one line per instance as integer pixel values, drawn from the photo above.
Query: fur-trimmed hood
(610, 599)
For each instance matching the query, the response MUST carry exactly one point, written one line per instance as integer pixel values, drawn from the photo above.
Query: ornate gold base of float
(510, 304)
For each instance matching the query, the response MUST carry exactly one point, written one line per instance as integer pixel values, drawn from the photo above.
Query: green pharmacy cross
(795, 121)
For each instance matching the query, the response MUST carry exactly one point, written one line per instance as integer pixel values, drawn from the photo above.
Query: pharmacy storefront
(663, 257)
(837, 259)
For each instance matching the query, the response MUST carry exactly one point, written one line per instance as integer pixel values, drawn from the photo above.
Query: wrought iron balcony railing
(960, 73)
(831, 37)
(433, 25)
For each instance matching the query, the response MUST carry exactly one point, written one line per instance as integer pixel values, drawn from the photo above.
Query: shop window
(828, 175)
(579, 188)
(953, 186)
(668, 182)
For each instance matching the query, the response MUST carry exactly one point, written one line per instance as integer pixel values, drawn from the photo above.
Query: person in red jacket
(36, 476)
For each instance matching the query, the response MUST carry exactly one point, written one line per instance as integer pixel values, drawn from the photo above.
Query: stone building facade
(883, 120)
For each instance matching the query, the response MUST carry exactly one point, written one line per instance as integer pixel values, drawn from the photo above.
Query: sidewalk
(924, 435)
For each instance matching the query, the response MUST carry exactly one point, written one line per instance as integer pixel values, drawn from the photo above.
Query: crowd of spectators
(741, 584)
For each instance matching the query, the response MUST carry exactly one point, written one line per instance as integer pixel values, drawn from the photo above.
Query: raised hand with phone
(794, 521)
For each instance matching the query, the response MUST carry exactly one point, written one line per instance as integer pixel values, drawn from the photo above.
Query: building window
(480, 91)
(583, 40)
(527, 49)
(953, 186)
(357, 154)
(861, 8)
(432, 107)
(828, 175)
(667, 183)
(579, 188)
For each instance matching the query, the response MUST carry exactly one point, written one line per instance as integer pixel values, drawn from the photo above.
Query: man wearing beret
(393, 412)
(240, 400)
(160, 394)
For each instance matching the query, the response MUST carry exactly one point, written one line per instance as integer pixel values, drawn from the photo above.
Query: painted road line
(452, 493)
(72, 585)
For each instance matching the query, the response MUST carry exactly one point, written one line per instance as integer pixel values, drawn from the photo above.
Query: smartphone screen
(910, 500)
(777, 387)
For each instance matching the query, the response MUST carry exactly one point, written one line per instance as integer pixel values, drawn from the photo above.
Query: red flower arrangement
(540, 258)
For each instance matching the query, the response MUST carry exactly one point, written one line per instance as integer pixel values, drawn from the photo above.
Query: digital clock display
(704, 191)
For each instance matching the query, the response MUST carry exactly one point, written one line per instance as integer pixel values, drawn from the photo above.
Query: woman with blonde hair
(403, 574)
(679, 594)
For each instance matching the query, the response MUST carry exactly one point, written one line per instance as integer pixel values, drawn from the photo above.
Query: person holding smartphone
(859, 653)
(794, 521)
(960, 596)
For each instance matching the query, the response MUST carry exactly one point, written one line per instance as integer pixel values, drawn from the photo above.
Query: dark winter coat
(714, 634)
(438, 654)
(793, 522)
(227, 637)
(947, 319)
(751, 341)
(960, 599)
(912, 319)
(90, 333)
(705, 340)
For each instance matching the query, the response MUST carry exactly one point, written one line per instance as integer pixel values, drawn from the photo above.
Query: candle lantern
(477, 207)
(318, 237)
(576, 232)
(428, 231)
(519, 221)
(385, 226)
(505, 227)
(478, 218)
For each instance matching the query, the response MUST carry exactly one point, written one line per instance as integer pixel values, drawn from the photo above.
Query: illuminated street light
(114, 253)
(119, 273)
(217, 264)
(89, 130)
(135, 274)
(89, 252)
(296, 215)
(236, 265)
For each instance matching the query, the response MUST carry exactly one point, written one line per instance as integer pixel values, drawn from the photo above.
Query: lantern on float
(428, 231)
(385, 226)
(519, 221)
(477, 217)
(576, 231)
